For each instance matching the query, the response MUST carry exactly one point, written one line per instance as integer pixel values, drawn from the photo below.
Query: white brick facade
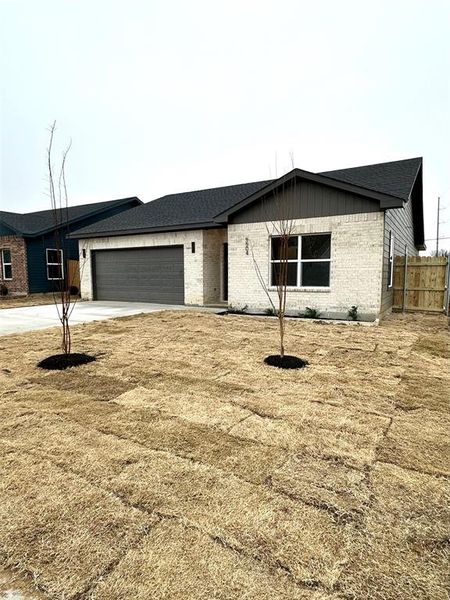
(202, 268)
(213, 240)
(355, 273)
(355, 269)
(193, 262)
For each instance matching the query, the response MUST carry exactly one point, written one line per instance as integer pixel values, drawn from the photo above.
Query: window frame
(390, 282)
(53, 264)
(6, 263)
(299, 260)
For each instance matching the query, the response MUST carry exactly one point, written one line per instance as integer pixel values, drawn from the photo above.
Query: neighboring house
(205, 247)
(29, 259)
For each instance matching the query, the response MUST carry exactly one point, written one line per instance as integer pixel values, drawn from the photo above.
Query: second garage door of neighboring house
(140, 275)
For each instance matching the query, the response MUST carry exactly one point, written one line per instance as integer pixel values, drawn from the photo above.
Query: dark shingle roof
(392, 178)
(175, 210)
(199, 208)
(35, 223)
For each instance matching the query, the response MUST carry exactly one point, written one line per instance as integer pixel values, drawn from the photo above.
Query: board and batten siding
(37, 261)
(399, 221)
(305, 200)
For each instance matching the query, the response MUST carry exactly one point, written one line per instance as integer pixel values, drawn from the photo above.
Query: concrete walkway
(29, 318)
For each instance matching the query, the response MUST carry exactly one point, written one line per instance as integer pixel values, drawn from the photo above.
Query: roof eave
(72, 221)
(144, 230)
(392, 203)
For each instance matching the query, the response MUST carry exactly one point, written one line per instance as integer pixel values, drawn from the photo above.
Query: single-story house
(29, 259)
(220, 245)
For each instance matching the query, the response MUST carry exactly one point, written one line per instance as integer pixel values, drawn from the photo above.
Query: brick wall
(18, 285)
(213, 240)
(355, 270)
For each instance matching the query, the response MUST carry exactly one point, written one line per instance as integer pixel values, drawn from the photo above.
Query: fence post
(447, 286)
(404, 280)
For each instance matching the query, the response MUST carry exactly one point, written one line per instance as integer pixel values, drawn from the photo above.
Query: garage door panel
(140, 274)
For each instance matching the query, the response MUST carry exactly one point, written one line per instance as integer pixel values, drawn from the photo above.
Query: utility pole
(437, 226)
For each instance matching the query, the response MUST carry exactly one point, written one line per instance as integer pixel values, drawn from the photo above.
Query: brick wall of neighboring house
(18, 285)
(355, 274)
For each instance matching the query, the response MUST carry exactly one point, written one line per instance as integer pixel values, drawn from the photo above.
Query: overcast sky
(162, 96)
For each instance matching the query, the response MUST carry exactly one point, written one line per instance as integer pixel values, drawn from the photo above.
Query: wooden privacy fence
(425, 286)
(74, 273)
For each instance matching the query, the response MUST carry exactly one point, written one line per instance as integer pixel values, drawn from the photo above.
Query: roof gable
(389, 184)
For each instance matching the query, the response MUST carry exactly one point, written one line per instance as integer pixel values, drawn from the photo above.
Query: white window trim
(55, 264)
(6, 264)
(391, 259)
(299, 260)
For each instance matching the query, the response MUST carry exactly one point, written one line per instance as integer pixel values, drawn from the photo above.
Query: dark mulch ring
(285, 362)
(59, 362)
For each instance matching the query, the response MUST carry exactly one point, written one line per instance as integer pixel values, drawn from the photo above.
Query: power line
(437, 226)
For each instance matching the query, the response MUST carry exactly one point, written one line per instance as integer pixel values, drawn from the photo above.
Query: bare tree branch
(279, 224)
(63, 298)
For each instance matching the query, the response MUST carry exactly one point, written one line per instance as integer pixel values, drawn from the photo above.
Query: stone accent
(355, 270)
(201, 268)
(18, 285)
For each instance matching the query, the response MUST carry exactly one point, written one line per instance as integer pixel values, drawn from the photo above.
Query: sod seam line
(185, 522)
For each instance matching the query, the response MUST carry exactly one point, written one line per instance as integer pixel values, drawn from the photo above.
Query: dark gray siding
(140, 274)
(305, 200)
(37, 265)
(400, 222)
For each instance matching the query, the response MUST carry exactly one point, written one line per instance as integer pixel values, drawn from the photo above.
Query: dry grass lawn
(179, 467)
(30, 300)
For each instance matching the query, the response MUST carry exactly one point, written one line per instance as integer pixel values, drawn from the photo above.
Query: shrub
(310, 313)
(3, 290)
(353, 313)
(237, 310)
(270, 312)
(74, 291)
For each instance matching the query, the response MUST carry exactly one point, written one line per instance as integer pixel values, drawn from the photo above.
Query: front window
(6, 263)
(308, 260)
(55, 268)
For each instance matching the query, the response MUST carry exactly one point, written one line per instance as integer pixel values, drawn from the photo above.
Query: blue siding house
(29, 259)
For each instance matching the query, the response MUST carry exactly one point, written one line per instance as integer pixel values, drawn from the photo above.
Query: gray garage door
(140, 274)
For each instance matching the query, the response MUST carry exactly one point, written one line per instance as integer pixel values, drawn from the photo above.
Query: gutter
(141, 231)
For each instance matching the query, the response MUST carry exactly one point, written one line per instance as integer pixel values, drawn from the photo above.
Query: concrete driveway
(29, 318)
